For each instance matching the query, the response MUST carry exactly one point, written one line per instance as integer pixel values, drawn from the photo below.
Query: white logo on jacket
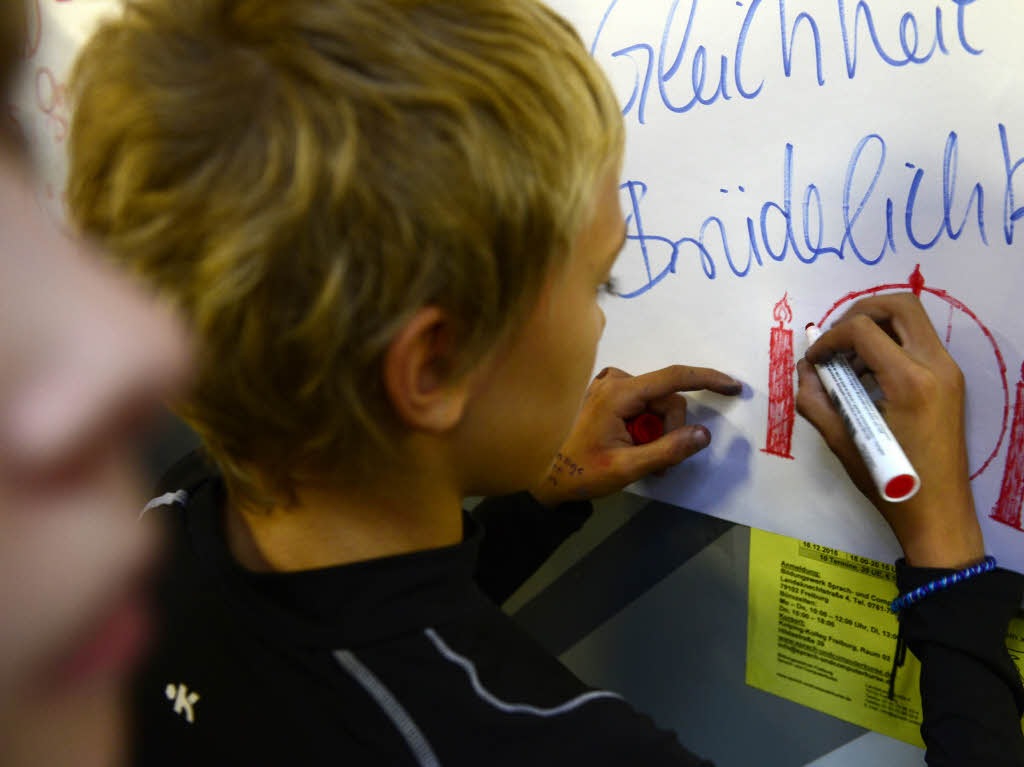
(184, 701)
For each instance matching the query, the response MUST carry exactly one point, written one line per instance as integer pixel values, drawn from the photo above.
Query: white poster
(40, 105)
(785, 157)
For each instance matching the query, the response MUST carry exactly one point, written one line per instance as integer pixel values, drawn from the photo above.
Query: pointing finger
(676, 378)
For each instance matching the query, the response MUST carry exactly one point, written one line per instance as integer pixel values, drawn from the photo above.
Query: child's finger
(813, 403)
(666, 451)
(671, 410)
(676, 378)
(611, 372)
(861, 334)
(900, 316)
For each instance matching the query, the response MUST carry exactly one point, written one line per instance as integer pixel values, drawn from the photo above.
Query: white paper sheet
(55, 30)
(834, 146)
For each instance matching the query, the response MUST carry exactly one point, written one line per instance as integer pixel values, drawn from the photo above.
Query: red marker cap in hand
(645, 428)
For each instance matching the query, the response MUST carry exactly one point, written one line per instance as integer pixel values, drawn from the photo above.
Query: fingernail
(700, 438)
(601, 375)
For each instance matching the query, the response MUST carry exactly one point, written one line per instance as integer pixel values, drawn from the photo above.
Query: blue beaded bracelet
(939, 584)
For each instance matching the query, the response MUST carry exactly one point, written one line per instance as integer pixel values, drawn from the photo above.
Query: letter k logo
(184, 701)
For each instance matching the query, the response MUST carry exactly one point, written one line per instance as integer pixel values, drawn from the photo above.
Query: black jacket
(408, 660)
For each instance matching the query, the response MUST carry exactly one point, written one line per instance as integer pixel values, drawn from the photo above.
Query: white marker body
(890, 469)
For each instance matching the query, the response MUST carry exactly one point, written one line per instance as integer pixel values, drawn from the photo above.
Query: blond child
(389, 224)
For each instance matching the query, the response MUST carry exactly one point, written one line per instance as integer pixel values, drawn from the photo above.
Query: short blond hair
(301, 177)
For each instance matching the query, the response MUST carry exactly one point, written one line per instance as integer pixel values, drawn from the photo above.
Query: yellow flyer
(820, 633)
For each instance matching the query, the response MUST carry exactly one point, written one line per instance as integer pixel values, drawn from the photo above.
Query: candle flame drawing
(782, 312)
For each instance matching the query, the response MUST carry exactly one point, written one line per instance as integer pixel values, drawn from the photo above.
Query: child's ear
(418, 373)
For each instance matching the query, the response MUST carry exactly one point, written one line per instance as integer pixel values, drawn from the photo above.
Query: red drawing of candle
(781, 408)
(1007, 508)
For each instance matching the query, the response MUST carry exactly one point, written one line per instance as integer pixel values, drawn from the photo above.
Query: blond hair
(301, 177)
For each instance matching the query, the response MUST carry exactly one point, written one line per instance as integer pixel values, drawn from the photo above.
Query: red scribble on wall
(916, 284)
(33, 31)
(50, 100)
(781, 406)
(1011, 494)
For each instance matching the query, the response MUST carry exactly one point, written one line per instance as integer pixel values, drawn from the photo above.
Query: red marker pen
(645, 428)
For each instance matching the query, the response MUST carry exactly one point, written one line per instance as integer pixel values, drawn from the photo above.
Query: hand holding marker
(890, 469)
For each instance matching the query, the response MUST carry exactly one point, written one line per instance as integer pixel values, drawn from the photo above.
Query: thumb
(813, 403)
(668, 450)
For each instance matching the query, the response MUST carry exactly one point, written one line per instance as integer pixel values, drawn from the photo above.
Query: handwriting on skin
(563, 468)
(655, 66)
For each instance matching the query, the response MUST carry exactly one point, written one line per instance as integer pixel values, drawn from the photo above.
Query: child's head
(303, 177)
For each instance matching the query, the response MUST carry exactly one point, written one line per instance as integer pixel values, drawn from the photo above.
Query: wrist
(545, 496)
(940, 530)
(951, 549)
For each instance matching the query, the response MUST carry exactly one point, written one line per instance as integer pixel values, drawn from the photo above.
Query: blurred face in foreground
(84, 357)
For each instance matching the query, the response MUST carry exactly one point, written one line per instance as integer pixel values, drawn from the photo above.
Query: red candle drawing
(781, 407)
(1007, 508)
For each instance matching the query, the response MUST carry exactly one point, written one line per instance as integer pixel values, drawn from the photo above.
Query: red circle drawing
(916, 284)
